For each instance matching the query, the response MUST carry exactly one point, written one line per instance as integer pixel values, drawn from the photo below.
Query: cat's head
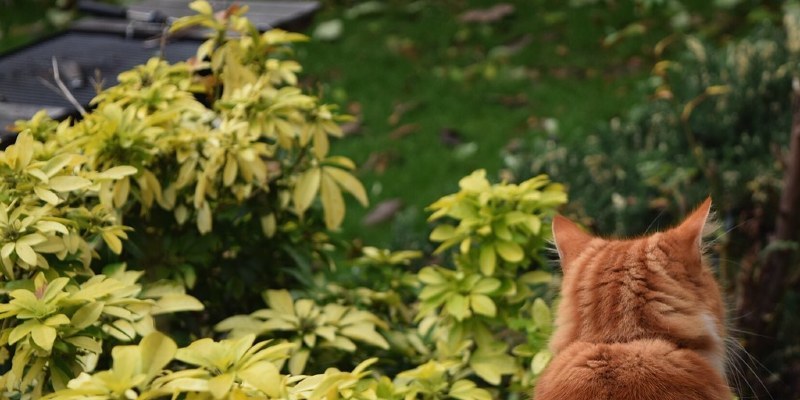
(656, 286)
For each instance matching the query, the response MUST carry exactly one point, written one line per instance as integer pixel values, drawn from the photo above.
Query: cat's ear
(690, 231)
(570, 239)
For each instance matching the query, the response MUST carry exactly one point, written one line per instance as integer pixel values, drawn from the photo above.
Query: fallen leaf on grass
(402, 46)
(353, 127)
(378, 161)
(513, 101)
(401, 109)
(512, 47)
(364, 9)
(403, 131)
(328, 30)
(383, 212)
(450, 137)
(488, 15)
(464, 151)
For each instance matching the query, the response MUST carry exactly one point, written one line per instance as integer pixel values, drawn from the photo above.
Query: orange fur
(639, 319)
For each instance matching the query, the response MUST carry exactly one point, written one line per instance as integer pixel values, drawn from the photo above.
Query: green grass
(563, 73)
(420, 53)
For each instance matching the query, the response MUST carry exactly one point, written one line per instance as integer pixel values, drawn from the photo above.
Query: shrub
(214, 177)
(717, 121)
(713, 123)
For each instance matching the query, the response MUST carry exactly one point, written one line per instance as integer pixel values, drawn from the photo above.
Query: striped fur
(639, 319)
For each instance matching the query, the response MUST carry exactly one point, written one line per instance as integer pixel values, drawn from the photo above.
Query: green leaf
(458, 307)
(482, 304)
(442, 232)
(468, 390)
(488, 259)
(87, 315)
(486, 286)
(536, 277)
(541, 314)
(431, 276)
(491, 365)
(509, 251)
(43, 336)
(202, 7)
(540, 361)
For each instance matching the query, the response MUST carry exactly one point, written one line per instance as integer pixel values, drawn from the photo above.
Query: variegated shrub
(215, 177)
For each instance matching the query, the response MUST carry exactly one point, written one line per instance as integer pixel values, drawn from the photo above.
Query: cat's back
(639, 319)
(637, 370)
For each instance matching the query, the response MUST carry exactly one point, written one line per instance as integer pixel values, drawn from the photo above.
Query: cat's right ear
(570, 240)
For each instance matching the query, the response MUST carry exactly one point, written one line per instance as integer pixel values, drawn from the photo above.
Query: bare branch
(62, 88)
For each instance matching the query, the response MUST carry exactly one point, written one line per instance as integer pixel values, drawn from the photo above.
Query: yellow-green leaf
(458, 307)
(176, 302)
(113, 242)
(297, 362)
(431, 276)
(230, 171)
(365, 332)
(25, 253)
(349, 183)
(118, 172)
(536, 277)
(157, 350)
(220, 385)
(332, 203)
(509, 251)
(541, 314)
(265, 377)
(46, 195)
(540, 361)
(486, 286)
(87, 315)
(204, 222)
(202, 7)
(68, 183)
(482, 304)
(442, 232)
(305, 189)
(44, 336)
(488, 259)
(280, 301)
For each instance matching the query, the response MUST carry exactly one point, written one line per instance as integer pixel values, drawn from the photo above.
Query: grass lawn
(468, 89)
(439, 97)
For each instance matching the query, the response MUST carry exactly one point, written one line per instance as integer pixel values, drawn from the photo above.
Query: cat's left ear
(690, 231)
(570, 240)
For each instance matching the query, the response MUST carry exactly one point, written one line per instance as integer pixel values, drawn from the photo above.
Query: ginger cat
(639, 319)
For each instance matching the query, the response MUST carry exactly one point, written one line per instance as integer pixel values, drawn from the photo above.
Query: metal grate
(22, 73)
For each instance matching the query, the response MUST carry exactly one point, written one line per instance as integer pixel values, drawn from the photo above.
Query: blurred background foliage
(641, 108)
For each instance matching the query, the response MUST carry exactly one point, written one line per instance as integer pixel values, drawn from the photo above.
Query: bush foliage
(208, 186)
